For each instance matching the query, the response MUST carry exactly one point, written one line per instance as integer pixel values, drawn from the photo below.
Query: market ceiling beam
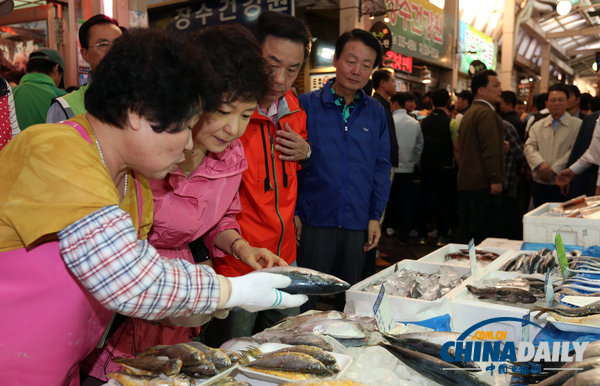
(582, 32)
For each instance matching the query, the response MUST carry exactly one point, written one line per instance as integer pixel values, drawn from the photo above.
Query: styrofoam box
(467, 309)
(439, 255)
(584, 232)
(403, 309)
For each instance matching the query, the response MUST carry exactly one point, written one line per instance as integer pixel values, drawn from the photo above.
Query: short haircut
(282, 26)
(402, 97)
(440, 98)
(84, 30)
(363, 36)
(540, 101)
(481, 79)
(243, 76)
(380, 76)
(559, 87)
(584, 100)
(42, 66)
(466, 95)
(509, 97)
(142, 73)
(574, 90)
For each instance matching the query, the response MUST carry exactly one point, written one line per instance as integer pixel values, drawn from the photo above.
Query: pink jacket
(202, 206)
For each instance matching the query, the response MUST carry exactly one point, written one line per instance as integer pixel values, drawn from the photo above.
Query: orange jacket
(269, 188)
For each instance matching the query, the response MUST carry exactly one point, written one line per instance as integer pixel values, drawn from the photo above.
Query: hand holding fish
(258, 291)
(373, 235)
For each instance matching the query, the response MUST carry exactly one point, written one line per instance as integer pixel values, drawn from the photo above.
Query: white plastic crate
(537, 228)
(403, 309)
(439, 255)
(467, 309)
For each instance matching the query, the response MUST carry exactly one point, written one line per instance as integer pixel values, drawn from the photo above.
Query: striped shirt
(127, 275)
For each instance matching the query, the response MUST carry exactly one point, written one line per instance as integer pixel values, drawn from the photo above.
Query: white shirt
(591, 155)
(410, 141)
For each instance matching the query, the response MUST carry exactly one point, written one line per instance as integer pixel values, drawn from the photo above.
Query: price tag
(383, 314)
(472, 256)
(549, 289)
(562, 256)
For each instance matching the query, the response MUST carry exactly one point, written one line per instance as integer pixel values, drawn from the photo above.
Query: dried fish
(562, 376)
(590, 309)
(480, 255)
(511, 295)
(150, 365)
(218, 357)
(126, 379)
(321, 355)
(592, 350)
(585, 378)
(205, 369)
(309, 282)
(291, 361)
(308, 340)
(188, 355)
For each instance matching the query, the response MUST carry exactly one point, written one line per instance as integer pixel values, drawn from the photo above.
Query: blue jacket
(348, 180)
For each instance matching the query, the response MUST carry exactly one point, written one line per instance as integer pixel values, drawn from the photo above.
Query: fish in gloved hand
(308, 281)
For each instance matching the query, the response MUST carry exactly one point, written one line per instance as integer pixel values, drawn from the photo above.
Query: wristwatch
(309, 152)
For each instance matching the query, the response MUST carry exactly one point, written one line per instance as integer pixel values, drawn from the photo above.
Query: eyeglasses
(103, 45)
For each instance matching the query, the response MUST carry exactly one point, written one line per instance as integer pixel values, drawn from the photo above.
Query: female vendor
(75, 210)
(200, 197)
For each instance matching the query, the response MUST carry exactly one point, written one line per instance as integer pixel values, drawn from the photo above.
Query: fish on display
(347, 332)
(229, 381)
(429, 348)
(126, 379)
(150, 365)
(292, 362)
(321, 355)
(592, 350)
(511, 295)
(308, 281)
(308, 340)
(188, 355)
(218, 357)
(203, 369)
(590, 309)
(434, 368)
(585, 378)
(480, 255)
(562, 376)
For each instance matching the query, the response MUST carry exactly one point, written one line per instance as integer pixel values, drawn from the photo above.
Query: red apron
(48, 321)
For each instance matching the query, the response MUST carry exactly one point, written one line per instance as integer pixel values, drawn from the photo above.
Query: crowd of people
(139, 207)
(478, 165)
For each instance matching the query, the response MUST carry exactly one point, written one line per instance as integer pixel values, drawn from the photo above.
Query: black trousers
(436, 200)
(399, 211)
(478, 213)
(336, 251)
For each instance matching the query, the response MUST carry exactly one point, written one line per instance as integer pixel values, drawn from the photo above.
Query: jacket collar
(288, 104)
(327, 95)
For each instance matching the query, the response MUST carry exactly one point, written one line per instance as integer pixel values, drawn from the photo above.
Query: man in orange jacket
(275, 145)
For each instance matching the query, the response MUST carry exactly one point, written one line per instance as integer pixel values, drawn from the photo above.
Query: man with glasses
(549, 145)
(96, 36)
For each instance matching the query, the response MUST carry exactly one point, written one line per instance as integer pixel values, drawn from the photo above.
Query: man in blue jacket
(344, 190)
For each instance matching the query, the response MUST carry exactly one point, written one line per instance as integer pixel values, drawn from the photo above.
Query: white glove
(258, 291)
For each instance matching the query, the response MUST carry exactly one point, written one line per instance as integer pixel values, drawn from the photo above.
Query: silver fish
(337, 328)
(291, 361)
(309, 282)
(434, 368)
(308, 340)
(590, 309)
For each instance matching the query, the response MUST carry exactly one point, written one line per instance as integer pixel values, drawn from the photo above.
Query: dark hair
(363, 36)
(584, 101)
(595, 104)
(466, 95)
(540, 101)
(572, 89)
(481, 79)
(440, 98)
(155, 74)
(509, 97)
(42, 66)
(379, 76)
(402, 97)
(559, 87)
(84, 30)
(242, 71)
(282, 26)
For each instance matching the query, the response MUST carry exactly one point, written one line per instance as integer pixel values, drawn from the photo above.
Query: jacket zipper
(276, 189)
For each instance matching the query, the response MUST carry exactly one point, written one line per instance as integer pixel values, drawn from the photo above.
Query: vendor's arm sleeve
(127, 275)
